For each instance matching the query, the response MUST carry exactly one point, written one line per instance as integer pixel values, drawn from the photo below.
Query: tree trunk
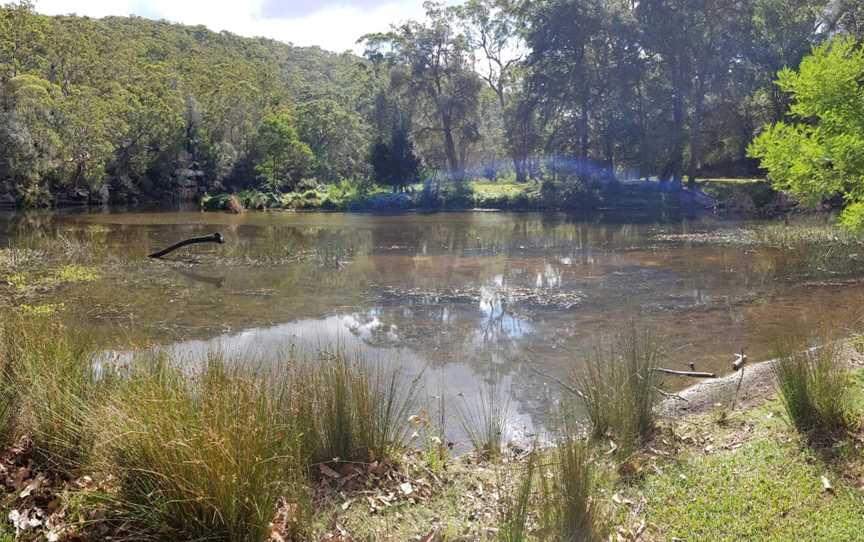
(696, 136)
(677, 158)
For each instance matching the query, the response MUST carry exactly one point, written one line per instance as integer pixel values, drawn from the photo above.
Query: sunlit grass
(814, 387)
(205, 449)
(205, 456)
(484, 419)
(566, 508)
(57, 388)
(617, 387)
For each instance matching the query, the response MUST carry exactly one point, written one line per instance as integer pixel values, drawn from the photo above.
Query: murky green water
(470, 297)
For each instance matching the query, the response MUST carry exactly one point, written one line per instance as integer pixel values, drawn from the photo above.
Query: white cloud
(335, 27)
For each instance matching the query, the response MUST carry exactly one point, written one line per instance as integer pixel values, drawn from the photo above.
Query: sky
(331, 24)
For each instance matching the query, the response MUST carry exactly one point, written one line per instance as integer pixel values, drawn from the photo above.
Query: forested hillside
(128, 107)
(571, 92)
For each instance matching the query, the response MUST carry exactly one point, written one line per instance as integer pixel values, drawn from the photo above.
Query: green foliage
(820, 156)
(566, 508)
(283, 159)
(337, 138)
(204, 457)
(394, 162)
(57, 384)
(815, 390)
(513, 519)
(618, 389)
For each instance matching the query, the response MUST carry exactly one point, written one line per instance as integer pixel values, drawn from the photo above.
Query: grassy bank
(472, 194)
(340, 449)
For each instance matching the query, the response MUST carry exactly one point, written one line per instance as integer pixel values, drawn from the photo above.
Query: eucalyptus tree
(437, 62)
(494, 30)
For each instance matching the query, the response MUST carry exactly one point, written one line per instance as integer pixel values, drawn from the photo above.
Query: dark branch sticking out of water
(212, 238)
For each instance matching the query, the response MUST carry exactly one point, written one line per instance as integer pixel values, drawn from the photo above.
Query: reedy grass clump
(56, 386)
(567, 511)
(196, 450)
(9, 396)
(206, 455)
(485, 420)
(348, 410)
(618, 389)
(814, 387)
(513, 517)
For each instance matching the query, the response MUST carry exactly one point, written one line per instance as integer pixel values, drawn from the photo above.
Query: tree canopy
(569, 91)
(819, 152)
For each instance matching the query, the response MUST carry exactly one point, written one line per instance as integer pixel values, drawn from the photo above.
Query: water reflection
(470, 297)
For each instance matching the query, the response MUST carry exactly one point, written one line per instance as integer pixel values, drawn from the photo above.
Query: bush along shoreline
(734, 198)
(336, 448)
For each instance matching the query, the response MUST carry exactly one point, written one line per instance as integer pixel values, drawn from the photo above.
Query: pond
(469, 299)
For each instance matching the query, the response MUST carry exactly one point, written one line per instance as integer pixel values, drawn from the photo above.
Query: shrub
(618, 389)
(814, 388)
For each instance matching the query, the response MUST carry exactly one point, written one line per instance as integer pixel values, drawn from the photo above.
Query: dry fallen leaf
(327, 471)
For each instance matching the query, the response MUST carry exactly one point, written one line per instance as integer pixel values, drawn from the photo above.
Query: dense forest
(574, 92)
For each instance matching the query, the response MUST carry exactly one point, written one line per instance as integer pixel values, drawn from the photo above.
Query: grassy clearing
(753, 479)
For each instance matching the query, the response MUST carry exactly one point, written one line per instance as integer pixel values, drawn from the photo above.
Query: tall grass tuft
(618, 389)
(513, 519)
(567, 511)
(204, 456)
(9, 393)
(350, 411)
(484, 420)
(814, 387)
(56, 386)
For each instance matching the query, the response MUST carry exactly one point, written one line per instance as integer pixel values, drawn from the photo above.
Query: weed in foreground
(349, 410)
(513, 516)
(57, 388)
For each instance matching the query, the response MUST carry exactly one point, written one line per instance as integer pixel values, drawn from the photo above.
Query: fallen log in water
(213, 238)
(694, 374)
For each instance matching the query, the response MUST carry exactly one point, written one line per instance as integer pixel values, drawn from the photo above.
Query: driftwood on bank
(212, 238)
(694, 374)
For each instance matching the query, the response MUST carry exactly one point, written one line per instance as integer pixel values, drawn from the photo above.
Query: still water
(469, 299)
